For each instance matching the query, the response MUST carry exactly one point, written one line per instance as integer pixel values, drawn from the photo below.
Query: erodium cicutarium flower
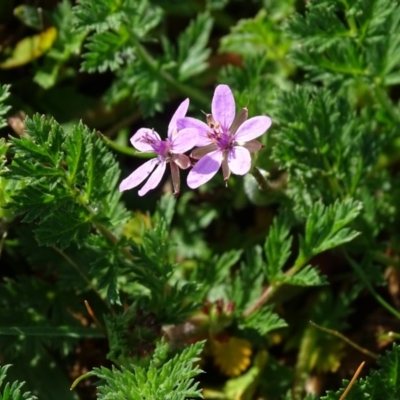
(169, 151)
(225, 140)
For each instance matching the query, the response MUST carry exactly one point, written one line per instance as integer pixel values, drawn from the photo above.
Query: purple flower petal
(142, 139)
(239, 160)
(252, 128)
(138, 175)
(154, 179)
(223, 106)
(205, 169)
(179, 113)
(185, 140)
(201, 127)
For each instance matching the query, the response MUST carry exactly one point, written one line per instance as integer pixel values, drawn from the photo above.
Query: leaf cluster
(119, 32)
(68, 181)
(348, 41)
(12, 391)
(173, 379)
(327, 149)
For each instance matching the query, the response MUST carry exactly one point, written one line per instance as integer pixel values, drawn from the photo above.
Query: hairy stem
(272, 289)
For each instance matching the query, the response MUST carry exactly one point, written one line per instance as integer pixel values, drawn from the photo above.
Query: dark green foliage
(277, 249)
(311, 233)
(382, 383)
(68, 181)
(332, 145)
(348, 41)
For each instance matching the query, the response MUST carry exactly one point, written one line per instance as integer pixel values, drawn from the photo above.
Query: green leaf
(173, 380)
(326, 228)
(69, 181)
(264, 321)
(247, 282)
(12, 391)
(192, 51)
(72, 225)
(101, 15)
(341, 41)
(328, 149)
(277, 248)
(106, 268)
(4, 94)
(106, 50)
(30, 16)
(307, 276)
(259, 35)
(117, 26)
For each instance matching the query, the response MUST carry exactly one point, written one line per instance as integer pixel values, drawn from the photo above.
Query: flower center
(221, 137)
(161, 147)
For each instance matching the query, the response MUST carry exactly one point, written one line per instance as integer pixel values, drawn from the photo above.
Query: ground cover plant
(199, 199)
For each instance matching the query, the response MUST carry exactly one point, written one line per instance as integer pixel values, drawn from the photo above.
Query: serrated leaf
(277, 248)
(307, 276)
(106, 268)
(12, 391)
(62, 228)
(192, 51)
(173, 380)
(326, 228)
(106, 51)
(4, 94)
(264, 321)
(69, 181)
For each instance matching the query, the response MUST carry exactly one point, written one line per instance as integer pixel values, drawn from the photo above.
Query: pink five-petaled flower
(168, 151)
(224, 140)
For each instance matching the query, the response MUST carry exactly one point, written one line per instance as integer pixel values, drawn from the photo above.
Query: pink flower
(168, 151)
(225, 140)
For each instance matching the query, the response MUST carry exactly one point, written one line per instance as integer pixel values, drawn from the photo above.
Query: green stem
(124, 149)
(261, 179)
(265, 296)
(369, 286)
(384, 259)
(272, 289)
(350, 19)
(345, 339)
(81, 378)
(180, 87)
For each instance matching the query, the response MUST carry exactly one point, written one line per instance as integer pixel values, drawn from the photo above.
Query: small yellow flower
(233, 356)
